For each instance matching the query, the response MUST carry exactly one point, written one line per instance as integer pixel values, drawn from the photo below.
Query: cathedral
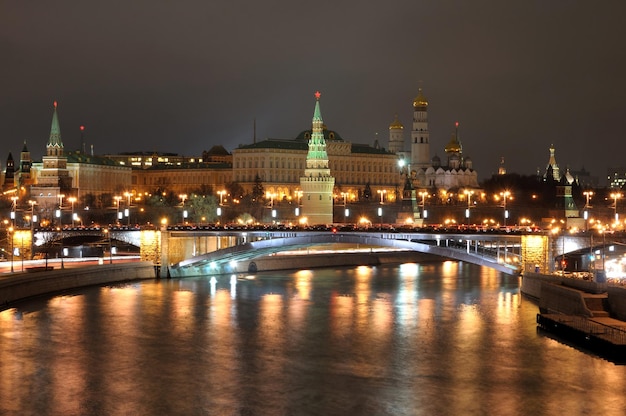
(424, 171)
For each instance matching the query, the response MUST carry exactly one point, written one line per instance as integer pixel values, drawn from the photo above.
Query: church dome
(420, 100)
(395, 124)
(453, 145)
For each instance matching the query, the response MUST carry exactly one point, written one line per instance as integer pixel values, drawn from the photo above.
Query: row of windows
(175, 179)
(344, 179)
(381, 167)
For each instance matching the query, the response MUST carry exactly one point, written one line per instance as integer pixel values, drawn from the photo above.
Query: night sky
(182, 76)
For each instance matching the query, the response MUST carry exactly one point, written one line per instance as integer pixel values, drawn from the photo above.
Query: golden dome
(395, 124)
(453, 145)
(420, 100)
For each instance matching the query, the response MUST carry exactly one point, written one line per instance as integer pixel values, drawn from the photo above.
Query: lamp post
(382, 193)
(271, 196)
(33, 218)
(59, 211)
(117, 199)
(183, 197)
(469, 194)
(221, 194)
(505, 195)
(108, 233)
(13, 207)
(72, 200)
(615, 196)
(10, 232)
(127, 210)
(423, 203)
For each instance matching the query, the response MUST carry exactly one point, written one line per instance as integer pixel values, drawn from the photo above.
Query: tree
(258, 193)
(203, 208)
(235, 190)
(367, 192)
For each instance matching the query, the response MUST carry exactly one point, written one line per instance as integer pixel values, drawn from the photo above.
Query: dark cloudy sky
(182, 76)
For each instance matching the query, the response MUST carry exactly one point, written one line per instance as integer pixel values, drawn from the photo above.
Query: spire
(55, 145)
(552, 165)
(317, 158)
(317, 114)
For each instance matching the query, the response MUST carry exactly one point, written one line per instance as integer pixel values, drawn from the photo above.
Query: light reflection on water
(434, 339)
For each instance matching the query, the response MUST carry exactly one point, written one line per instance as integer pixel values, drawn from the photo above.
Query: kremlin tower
(317, 184)
(54, 177)
(420, 148)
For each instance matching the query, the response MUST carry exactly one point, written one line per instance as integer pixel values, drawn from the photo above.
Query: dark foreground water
(432, 339)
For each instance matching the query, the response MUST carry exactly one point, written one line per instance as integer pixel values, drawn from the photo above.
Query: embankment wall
(20, 286)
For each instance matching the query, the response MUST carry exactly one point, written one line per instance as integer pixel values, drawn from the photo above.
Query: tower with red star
(317, 184)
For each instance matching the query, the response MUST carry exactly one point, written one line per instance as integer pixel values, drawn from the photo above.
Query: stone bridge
(187, 251)
(500, 255)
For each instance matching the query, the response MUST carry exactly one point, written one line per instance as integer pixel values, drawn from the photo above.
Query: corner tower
(317, 184)
(420, 147)
(54, 171)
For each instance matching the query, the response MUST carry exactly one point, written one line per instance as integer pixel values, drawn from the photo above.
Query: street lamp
(615, 196)
(469, 194)
(108, 233)
(118, 217)
(10, 232)
(183, 197)
(505, 195)
(423, 194)
(127, 209)
(13, 207)
(382, 193)
(344, 195)
(221, 194)
(33, 218)
(271, 196)
(72, 200)
(588, 195)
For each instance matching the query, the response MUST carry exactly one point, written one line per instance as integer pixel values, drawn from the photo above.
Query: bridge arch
(238, 259)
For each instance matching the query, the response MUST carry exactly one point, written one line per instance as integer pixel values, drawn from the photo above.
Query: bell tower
(420, 147)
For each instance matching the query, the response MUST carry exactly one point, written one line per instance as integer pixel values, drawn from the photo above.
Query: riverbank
(591, 315)
(19, 286)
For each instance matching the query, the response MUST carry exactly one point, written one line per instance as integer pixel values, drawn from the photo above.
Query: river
(416, 339)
